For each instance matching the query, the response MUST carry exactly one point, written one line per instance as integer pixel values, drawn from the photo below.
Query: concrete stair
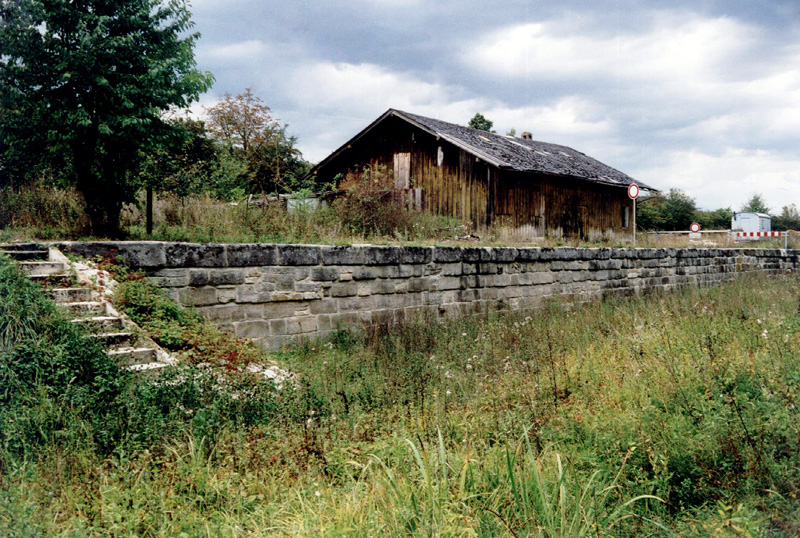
(116, 333)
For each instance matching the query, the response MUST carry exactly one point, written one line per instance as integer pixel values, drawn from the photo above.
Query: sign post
(633, 194)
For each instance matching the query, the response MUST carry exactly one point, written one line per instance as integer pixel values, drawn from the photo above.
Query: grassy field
(673, 414)
(42, 212)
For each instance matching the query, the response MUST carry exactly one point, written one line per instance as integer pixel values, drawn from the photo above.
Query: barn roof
(508, 152)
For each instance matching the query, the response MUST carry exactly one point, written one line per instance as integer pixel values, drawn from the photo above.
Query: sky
(702, 95)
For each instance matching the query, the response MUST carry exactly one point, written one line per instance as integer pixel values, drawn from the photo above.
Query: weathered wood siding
(455, 182)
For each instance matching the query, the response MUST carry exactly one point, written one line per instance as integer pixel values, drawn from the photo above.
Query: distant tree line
(675, 210)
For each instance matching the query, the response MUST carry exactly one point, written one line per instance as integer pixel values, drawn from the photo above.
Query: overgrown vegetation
(673, 414)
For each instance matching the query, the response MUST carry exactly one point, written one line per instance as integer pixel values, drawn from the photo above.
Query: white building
(751, 222)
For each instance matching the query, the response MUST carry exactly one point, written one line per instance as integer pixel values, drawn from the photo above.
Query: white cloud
(687, 48)
(728, 178)
(345, 98)
(241, 52)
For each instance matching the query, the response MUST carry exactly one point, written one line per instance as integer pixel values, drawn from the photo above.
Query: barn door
(402, 170)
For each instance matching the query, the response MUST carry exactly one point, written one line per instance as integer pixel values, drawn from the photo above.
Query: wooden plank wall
(472, 190)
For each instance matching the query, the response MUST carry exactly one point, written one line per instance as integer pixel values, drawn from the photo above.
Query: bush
(372, 205)
(52, 212)
(57, 387)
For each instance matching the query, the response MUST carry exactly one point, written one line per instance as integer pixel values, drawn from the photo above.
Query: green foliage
(373, 205)
(673, 211)
(57, 387)
(244, 127)
(186, 165)
(562, 422)
(50, 212)
(94, 103)
(755, 204)
(719, 219)
(789, 219)
(479, 122)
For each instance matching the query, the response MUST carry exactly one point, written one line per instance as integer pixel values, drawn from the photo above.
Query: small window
(439, 156)
(626, 217)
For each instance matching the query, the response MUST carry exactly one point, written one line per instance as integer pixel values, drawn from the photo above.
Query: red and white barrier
(761, 234)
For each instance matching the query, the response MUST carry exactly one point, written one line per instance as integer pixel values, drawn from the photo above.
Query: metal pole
(149, 212)
(634, 223)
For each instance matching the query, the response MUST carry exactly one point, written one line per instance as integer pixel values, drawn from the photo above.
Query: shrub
(50, 211)
(372, 205)
(57, 387)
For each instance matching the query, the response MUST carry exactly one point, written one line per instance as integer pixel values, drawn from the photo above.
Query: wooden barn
(533, 188)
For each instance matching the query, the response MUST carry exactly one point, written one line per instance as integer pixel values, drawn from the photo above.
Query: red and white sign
(762, 234)
(694, 228)
(633, 191)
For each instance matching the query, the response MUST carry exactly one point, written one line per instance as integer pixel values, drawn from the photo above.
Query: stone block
(198, 296)
(252, 329)
(180, 280)
(344, 289)
(302, 325)
(225, 277)
(416, 285)
(325, 274)
(416, 255)
(306, 286)
(323, 306)
(381, 287)
(380, 255)
(370, 273)
(504, 254)
(476, 254)
(251, 255)
(252, 294)
(194, 255)
(343, 255)
(452, 269)
(198, 277)
(446, 254)
(529, 254)
(226, 295)
(143, 254)
(447, 283)
(293, 255)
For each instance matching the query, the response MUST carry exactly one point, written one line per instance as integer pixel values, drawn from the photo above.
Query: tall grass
(42, 211)
(672, 414)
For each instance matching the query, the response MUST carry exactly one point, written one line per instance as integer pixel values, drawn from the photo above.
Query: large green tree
(244, 125)
(85, 81)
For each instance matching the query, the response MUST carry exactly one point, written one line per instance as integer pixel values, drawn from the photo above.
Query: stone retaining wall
(276, 293)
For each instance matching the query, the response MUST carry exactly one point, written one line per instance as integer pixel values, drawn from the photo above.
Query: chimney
(527, 136)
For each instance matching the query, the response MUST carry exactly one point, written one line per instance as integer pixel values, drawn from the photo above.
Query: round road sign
(633, 191)
(694, 228)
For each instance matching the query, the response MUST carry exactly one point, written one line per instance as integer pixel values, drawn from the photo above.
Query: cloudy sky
(699, 95)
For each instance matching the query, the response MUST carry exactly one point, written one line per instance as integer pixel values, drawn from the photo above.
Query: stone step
(22, 246)
(71, 295)
(43, 268)
(54, 281)
(86, 308)
(26, 255)
(100, 323)
(149, 369)
(132, 356)
(114, 340)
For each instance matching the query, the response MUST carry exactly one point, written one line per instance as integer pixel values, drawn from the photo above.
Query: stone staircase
(72, 289)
